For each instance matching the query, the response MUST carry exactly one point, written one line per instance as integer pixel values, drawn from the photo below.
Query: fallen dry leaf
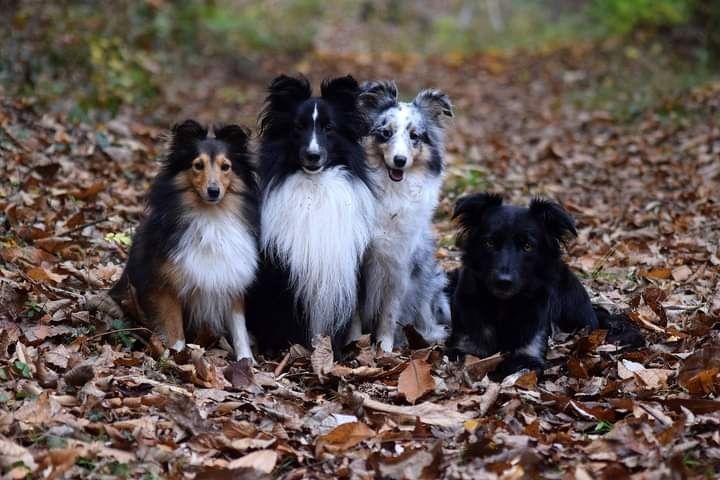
(416, 380)
(343, 437)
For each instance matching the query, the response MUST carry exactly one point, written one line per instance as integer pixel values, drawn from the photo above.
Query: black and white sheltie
(196, 252)
(317, 211)
(403, 283)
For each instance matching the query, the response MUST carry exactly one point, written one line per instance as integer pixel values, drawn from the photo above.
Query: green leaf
(23, 369)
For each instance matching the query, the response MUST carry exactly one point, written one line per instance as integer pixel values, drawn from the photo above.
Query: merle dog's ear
(469, 211)
(341, 91)
(378, 95)
(286, 93)
(558, 222)
(235, 136)
(434, 101)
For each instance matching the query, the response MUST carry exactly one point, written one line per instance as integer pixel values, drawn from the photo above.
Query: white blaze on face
(400, 143)
(314, 147)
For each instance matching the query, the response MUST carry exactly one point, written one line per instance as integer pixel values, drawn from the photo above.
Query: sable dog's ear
(377, 96)
(183, 138)
(469, 211)
(557, 221)
(235, 136)
(434, 101)
(342, 92)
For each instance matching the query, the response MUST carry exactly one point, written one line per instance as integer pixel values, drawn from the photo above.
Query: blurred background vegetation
(92, 58)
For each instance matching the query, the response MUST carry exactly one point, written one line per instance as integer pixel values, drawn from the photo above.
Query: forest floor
(84, 394)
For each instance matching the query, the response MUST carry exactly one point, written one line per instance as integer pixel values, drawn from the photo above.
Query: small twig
(118, 331)
(80, 227)
(281, 366)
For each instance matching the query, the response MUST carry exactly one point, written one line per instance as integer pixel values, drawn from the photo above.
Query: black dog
(514, 286)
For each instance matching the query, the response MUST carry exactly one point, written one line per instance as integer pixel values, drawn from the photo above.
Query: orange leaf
(416, 380)
(343, 437)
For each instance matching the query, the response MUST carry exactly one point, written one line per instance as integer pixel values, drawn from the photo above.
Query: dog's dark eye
(385, 134)
(198, 166)
(527, 246)
(329, 128)
(414, 136)
(225, 167)
(489, 243)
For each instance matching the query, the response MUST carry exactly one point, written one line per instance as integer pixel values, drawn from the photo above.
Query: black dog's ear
(233, 135)
(435, 101)
(470, 208)
(469, 211)
(341, 91)
(378, 95)
(556, 219)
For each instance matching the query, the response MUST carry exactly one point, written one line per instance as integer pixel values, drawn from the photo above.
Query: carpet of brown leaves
(84, 394)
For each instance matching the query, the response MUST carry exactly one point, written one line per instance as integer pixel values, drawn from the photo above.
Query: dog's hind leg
(238, 331)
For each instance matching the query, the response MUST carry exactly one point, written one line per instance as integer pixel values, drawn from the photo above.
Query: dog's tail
(621, 330)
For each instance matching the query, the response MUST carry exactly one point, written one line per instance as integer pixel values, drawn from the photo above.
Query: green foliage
(23, 369)
(603, 427)
(623, 16)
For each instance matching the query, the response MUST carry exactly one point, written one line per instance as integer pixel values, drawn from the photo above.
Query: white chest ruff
(215, 261)
(319, 227)
(404, 210)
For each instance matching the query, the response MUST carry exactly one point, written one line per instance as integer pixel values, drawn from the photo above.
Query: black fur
(285, 123)
(161, 230)
(513, 283)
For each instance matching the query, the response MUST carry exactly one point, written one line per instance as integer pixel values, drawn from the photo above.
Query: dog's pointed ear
(341, 91)
(558, 222)
(378, 95)
(469, 211)
(434, 101)
(286, 93)
(233, 135)
(188, 131)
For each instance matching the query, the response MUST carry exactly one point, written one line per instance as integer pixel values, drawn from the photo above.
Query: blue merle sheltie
(196, 252)
(403, 283)
(317, 211)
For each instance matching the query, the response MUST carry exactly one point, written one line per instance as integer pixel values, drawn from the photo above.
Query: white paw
(436, 334)
(387, 343)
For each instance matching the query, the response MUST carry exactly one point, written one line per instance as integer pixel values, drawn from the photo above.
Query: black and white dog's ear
(434, 101)
(286, 93)
(378, 95)
(234, 135)
(557, 221)
(469, 211)
(341, 91)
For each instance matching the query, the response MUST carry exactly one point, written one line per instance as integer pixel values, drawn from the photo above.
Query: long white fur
(319, 227)
(216, 258)
(403, 223)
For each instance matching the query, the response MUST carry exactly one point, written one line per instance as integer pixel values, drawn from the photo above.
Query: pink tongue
(395, 174)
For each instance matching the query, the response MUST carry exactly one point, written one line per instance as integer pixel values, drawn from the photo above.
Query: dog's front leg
(167, 315)
(238, 331)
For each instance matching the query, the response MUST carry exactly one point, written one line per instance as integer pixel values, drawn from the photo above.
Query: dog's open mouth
(396, 175)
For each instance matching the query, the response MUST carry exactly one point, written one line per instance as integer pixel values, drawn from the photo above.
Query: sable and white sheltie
(403, 283)
(317, 211)
(196, 252)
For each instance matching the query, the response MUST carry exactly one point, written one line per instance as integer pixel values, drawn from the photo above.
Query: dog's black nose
(213, 193)
(399, 160)
(312, 157)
